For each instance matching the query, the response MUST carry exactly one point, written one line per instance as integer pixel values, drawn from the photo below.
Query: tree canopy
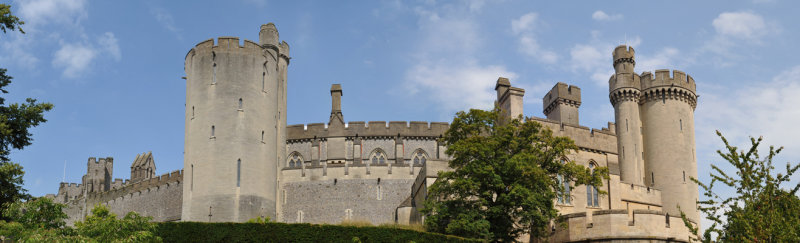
(755, 205)
(15, 120)
(507, 175)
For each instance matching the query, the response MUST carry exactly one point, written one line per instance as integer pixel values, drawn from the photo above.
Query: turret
(667, 111)
(562, 103)
(509, 99)
(624, 94)
(268, 35)
(624, 59)
(235, 127)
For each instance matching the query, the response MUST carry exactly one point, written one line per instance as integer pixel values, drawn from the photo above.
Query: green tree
(41, 212)
(9, 21)
(505, 179)
(759, 209)
(15, 120)
(104, 226)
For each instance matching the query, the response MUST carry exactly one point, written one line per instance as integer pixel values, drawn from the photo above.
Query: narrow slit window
(192, 111)
(684, 176)
(626, 125)
(240, 103)
(212, 131)
(652, 179)
(262, 136)
(191, 177)
(263, 81)
(681, 123)
(214, 79)
(238, 172)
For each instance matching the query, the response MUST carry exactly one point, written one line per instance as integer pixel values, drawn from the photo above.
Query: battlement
(562, 93)
(69, 185)
(662, 78)
(602, 140)
(226, 44)
(126, 188)
(624, 81)
(623, 51)
(638, 224)
(370, 129)
(94, 160)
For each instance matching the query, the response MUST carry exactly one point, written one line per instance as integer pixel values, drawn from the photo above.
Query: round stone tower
(667, 110)
(624, 93)
(235, 127)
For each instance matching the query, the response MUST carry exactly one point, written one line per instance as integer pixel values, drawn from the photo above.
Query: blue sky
(113, 68)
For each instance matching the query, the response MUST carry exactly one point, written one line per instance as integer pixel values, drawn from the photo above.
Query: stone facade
(248, 163)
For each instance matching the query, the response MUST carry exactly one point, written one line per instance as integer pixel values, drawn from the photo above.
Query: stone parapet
(370, 129)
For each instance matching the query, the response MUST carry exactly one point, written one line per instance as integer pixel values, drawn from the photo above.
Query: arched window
(378, 157)
(563, 198)
(295, 160)
(591, 191)
(419, 157)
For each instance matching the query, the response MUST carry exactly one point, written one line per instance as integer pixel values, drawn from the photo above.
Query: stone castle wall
(159, 197)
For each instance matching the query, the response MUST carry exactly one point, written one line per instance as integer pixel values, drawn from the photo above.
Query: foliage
(11, 186)
(504, 181)
(760, 209)
(104, 226)
(15, 120)
(41, 212)
(259, 220)
(282, 232)
(9, 21)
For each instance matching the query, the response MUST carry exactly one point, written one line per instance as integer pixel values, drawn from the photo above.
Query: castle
(242, 161)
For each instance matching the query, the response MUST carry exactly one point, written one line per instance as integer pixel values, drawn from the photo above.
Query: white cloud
(767, 109)
(524, 23)
(109, 44)
(744, 25)
(603, 16)
(458, 86)
(447, 68)
(524, 28)
(40, 12)
(74, 59)
(165, 19)
(595, 59)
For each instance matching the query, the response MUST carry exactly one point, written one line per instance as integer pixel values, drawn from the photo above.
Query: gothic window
(300, 216)
(563, 197)
(295, 160)
(419, 157)
(591, 191)
(378, 157)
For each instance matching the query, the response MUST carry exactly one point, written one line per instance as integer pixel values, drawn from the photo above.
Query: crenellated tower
(655, 131)
(667, 111)
(624, 93)
(235, 127)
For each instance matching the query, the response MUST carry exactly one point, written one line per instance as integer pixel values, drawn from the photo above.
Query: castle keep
(243, 161)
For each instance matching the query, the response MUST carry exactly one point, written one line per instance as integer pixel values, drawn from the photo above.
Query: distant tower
(624, 91)
(99, 174)
(235, 127)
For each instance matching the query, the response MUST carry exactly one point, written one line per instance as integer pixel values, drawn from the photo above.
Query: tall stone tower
(235, 127)
(624, 92)
(655, 131)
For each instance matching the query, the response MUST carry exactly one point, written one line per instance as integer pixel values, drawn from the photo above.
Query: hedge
(281, 232)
